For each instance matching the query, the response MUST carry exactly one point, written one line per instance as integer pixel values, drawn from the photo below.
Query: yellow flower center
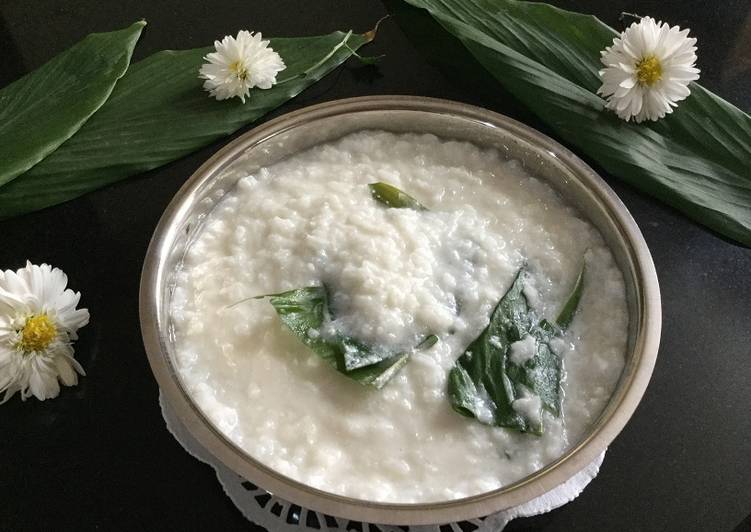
(649, 70)
(37, 333)
(238, 68)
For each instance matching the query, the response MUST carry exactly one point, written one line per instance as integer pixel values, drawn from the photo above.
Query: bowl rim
(645, 347)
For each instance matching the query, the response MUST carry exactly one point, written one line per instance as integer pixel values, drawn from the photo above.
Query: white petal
(65, 370)
(10, 392)
(628, 82)
(43, 381)
(676, 91)
(72, 320)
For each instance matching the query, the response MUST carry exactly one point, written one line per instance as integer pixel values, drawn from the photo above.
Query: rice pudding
(394, 276)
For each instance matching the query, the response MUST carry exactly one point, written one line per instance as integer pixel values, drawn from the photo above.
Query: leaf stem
(236, 303)
(365, 60)
(322, 61)
(369, 36)
(624, 14)
(331, 53)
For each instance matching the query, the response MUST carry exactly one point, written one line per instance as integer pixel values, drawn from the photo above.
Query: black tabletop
(99, 456)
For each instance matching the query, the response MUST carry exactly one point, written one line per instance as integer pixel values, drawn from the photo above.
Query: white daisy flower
(38, 323)
(239, 64)
(648, 69)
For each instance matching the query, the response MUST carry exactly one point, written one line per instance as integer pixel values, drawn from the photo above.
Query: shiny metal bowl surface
(299, 130)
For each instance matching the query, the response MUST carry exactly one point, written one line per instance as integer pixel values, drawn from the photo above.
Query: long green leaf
(158, 112)
(46, 107)
(697, 159)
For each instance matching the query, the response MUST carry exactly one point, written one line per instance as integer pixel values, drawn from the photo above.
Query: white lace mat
(277, 515)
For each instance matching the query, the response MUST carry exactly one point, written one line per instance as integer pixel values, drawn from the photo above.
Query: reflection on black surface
(12, 65)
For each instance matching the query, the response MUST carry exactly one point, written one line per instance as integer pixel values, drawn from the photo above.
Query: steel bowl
(299, 130)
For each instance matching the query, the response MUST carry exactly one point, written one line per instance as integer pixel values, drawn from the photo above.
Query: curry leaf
(478, 384)
(158, 112)
(428, 342)
(306, 312)
(541, 374)
(489, 383)
(392, 197)
(46, 107)
(698, 159)
(379, 374)
(572, 302)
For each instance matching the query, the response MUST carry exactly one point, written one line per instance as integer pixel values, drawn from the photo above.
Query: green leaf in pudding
(541, 374)
(572, 303)
(377, 375)
(428, 342)
(478, 384)
(305, 312)
(392, 197)
(486, 380)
